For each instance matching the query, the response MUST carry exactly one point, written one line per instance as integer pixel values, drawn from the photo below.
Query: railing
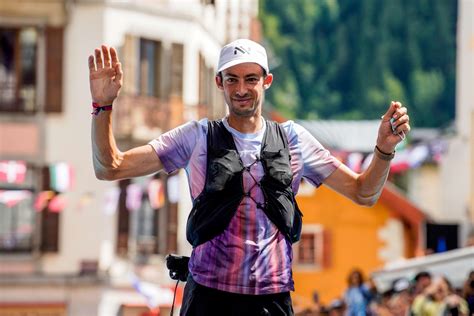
(142, 117)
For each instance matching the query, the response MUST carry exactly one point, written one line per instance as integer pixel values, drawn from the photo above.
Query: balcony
(141, 118)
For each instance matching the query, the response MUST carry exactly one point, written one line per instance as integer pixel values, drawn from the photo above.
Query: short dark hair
(422, 274)
(264, 73)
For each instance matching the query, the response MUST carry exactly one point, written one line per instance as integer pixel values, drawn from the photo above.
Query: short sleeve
(175, 147)
(318, 163)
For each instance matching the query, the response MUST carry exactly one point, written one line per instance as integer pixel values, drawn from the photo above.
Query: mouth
(243, 102)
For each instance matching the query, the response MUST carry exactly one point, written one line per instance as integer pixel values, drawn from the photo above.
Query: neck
(246, 125)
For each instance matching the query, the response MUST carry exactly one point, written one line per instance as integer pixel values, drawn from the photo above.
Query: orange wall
(354, 242)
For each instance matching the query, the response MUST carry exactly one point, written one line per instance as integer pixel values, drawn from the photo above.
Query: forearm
(106, 155)
(371, 182)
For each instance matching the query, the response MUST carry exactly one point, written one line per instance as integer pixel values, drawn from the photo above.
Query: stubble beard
(246, 112)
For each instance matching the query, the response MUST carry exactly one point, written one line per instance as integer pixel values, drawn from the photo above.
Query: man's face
(243, 86)
(422, 283)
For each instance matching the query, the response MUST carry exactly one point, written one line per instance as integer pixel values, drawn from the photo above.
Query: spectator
(438, 299)
(399, 303)
(336, 308)
(422, 281)
(358, 295)
(379, 306)
(468, 292)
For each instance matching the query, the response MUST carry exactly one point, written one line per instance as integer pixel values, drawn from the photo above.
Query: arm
(109, 162)
(366, 188)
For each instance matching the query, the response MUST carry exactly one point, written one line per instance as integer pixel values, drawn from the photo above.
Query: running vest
(223, 191)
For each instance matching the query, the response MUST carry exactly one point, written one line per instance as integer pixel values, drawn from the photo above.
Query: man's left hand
(394, 127)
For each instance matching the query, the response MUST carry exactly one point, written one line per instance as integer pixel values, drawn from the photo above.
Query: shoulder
(295, 132)
(187, 133)
(291, 127)
(195, 128)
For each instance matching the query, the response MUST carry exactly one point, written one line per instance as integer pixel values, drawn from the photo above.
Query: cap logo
(241, 50)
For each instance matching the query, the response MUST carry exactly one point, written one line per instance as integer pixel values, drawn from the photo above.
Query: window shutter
(129, 57)
(49, 221)
(173, 228)
(123, 219)
(54, 69)
(177, 61)
(327, 260)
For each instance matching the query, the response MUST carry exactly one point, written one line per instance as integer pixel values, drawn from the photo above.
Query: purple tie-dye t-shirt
(251, 256)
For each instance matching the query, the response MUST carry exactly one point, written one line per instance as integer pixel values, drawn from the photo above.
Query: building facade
(69, 243)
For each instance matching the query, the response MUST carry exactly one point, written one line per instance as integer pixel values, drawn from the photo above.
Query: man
(422, 281)
(241, 261)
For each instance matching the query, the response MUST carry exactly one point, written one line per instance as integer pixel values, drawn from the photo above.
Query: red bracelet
(98, 108)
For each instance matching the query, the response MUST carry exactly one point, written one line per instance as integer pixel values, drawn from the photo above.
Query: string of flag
(61, 180)
(407, 158)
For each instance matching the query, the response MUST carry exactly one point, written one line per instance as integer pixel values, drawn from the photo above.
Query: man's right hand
(105, 75)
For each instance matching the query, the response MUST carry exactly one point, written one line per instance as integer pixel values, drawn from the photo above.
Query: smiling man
(244, 172)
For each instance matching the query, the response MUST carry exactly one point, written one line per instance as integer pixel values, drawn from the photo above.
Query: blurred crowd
(424, 295)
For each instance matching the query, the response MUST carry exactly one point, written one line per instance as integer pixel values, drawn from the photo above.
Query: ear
(267, 82)
(219, 82)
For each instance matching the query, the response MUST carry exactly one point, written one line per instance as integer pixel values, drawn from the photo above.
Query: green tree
(349, 58)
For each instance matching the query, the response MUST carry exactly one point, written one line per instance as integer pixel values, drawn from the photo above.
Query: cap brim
(240, 61)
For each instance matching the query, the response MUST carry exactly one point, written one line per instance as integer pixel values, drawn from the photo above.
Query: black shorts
(199, 300)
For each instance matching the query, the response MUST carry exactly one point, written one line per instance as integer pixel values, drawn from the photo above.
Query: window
(150, 56)
(18, 62)
(307, 249)
(17, 220)
(147, 210)
(312, 251)
(19, 71)
(23, 204)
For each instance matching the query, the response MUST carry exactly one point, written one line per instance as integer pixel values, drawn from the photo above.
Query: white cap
(401, 285)
(242, 51)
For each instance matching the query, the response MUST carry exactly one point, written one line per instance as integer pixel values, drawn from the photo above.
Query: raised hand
(393, 128)
(105, 75)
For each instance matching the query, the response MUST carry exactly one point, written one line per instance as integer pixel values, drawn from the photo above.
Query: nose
(241, 88)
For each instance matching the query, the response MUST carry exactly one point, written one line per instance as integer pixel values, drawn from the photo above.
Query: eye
(231, 80)
(252, 80)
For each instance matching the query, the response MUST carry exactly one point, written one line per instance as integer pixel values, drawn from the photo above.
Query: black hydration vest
(223, 191)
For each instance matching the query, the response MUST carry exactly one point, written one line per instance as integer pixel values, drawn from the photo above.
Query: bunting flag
(156, 193)
(418, 155)
(111, 200)
(57, 203)
(354, 161)
(173, 189)
(42, 200)
(134, 197)
(12, 171)
(400, 162)
(85, 200)
(367, 161)
(154, 295)
(12, 197)
(61, 177)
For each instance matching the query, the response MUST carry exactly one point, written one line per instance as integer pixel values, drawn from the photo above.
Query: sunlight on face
(243, 86)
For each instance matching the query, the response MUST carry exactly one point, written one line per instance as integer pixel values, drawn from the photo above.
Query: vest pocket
(277, 166)
(210, 216)
(223, 166)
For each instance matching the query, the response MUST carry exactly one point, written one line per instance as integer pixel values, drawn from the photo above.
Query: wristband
(98, 108)
(382, 155)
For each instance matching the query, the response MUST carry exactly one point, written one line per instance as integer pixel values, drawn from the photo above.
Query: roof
(455, 263)
(401, 205)
(352, 136)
